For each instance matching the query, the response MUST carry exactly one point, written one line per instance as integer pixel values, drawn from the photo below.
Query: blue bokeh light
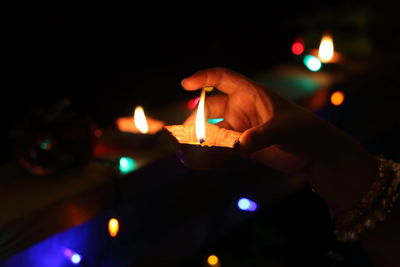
(244, 203)
(247, 204)
(76, 259)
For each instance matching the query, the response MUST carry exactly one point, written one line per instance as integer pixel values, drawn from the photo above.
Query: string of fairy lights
(312, 61)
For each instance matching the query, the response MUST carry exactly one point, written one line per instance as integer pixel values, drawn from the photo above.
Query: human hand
(287, 137)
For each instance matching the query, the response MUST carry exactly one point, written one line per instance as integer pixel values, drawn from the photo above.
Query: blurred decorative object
(52, 139)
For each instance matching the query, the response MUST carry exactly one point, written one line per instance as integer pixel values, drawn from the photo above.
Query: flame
(113, 227)
(326, 50)
(140, 120)
(200, 119)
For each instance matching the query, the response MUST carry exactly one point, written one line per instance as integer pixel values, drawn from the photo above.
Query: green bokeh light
(127, 165)
(312, 63)
(46, 144)
(215, 121)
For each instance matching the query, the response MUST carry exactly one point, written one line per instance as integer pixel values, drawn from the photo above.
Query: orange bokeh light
(113, 227)
(337, 98)
(213, 260)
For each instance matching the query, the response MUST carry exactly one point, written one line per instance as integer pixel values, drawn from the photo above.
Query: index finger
(225, 80)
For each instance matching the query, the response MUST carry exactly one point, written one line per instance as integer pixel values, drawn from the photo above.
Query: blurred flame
(200, 119)
(140, 120)
(326, 50)
(113, 227)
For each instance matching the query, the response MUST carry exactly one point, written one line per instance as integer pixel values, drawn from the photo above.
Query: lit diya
(203, 146)
(326, 52)
(142, 127)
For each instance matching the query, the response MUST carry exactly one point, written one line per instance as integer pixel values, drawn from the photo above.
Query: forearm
(354, 184)
(341, 170)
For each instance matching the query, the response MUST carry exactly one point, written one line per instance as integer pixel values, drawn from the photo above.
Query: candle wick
(202, 140)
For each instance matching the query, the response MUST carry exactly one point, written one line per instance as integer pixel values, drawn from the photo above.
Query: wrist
(375, 205)
(342, 173)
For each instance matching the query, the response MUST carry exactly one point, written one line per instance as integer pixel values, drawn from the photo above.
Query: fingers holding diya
(203, 146)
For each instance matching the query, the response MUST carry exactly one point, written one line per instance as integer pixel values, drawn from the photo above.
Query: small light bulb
(212, 260)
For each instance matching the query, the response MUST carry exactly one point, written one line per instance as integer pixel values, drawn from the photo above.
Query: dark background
(107, 59)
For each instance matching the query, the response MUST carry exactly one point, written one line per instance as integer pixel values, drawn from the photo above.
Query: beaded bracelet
(374, 206)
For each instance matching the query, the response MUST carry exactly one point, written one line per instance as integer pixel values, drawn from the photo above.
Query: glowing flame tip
(200, 119)
(140, 120)
(326, 50)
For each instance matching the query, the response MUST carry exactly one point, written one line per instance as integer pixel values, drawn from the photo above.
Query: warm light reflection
(212, 260)
(113, 227)
(337, 98)
(140, 120)
(200, 119)
(326, 50)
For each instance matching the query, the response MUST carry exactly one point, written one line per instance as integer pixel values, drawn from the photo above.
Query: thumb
(265, 135)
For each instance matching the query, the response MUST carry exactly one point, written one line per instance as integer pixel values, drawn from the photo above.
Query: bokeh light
(297, 48)
(71, 255)
(113, 227)
(247, 204)
(215, 120)
(127, 165)
(244, 203)
(192, 103)
(337, 98)
(212, 260)
(312, 63)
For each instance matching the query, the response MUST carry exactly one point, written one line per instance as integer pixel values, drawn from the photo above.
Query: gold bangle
(374, 206)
